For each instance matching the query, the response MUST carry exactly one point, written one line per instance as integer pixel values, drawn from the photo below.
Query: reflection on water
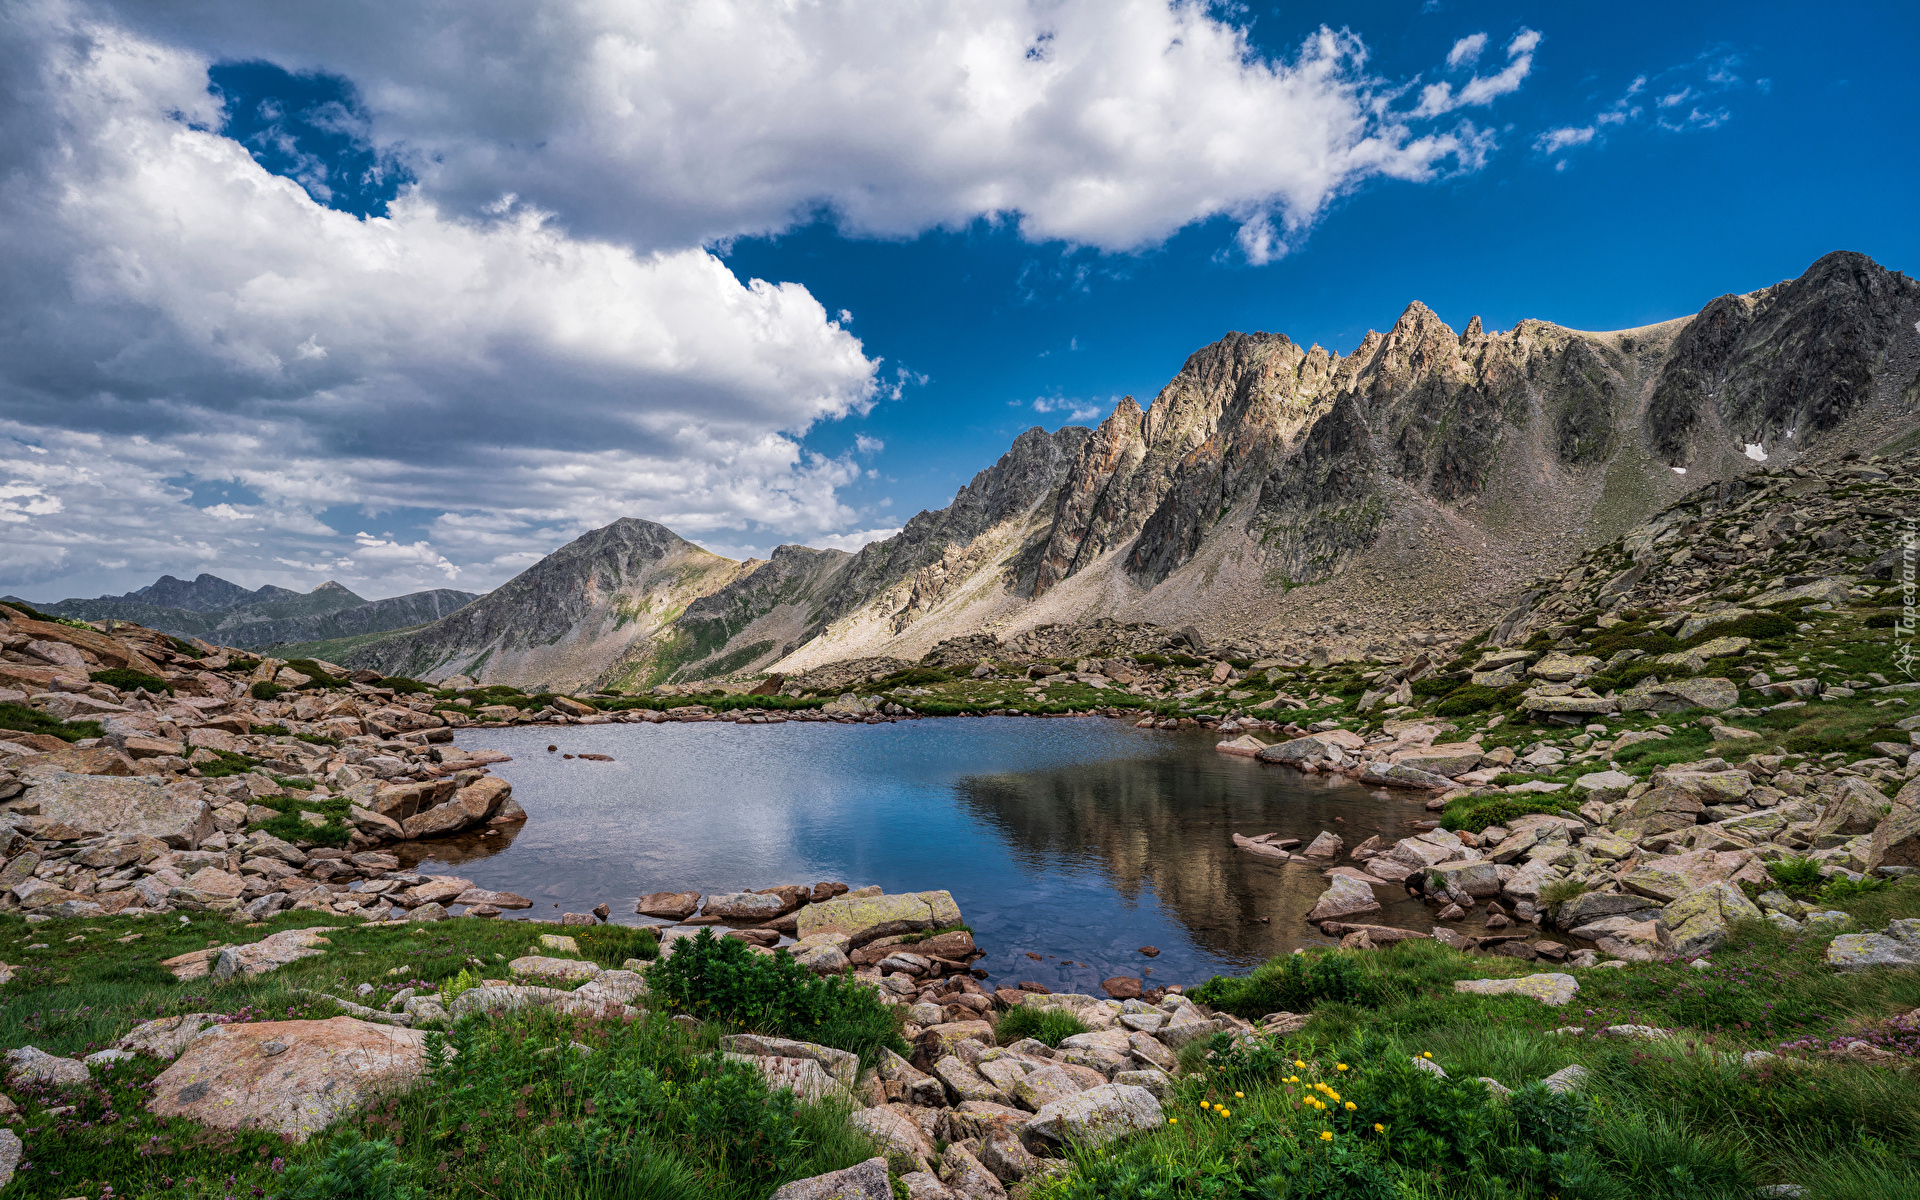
(1069, 844)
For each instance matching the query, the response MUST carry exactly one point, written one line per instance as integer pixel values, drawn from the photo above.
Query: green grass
(22, 719)
(1051, 1026)
(1679, 1118)
(650, 1113)
(1474, 813)
(127, 680)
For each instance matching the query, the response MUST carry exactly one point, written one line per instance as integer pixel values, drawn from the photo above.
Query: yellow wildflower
(1351, 1106)
(1424, 1054)
(1339, 1066)
(1239, 1095)
(1379, 1128)
(1176, 1121)
(1326, 1135)
(1300, 1064)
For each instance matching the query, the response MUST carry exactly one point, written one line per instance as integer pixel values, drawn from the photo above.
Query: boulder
(1858, 951)
(1666, 878)
(1478, 879)
(613, 987)
(1699, 920)
(804, 1077)
(822, 953)
(438, 821)
(1556, 667)
(483, 797)
(499, 999)
(1312, 746)
(1896, 840)
(1405, 775)
(270, 953)
(1449, 759)
(1552, 989)
(167, 1037)
(567, 970)
(1588, 907)
(292, 1077)
(844, 1068)
(864, 918)
(497, 899)
(906, 1145)
(744, 906)
(29, 1064)
(1344, 897)
(671, 906)
(1097, 1116)
(10, 1148)
(175, 813)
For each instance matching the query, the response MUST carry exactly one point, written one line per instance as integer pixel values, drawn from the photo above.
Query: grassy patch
(22, 719)
(1474, 813)
(1051, 1026)
(127, 680)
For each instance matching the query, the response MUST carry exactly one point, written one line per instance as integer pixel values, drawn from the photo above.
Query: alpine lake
(1069, 843)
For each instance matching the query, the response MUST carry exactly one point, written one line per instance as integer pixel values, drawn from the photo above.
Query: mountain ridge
(1399, 495)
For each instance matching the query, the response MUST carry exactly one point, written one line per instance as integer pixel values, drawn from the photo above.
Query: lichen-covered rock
(1344, 897)
(864, 1181)
(29, 1064)
(1699, 920)
(842, 1066)
(864, 918)
(804, 1077)
(1098, 1115)
(270, 953)
(534, 966)
(292, 1077)
(166, 1037)
(1552, 989)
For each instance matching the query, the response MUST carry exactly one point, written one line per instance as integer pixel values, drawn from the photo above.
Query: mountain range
(213, 609)
(1398, 495)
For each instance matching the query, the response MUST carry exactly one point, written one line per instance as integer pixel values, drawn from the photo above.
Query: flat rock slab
(166, 1037)
(864, 918)
(534, 966)
(843, 1067)
(805, 1078)
(175, 813)
(672, 906)
(270, 953)
(30, 1064)
(1098, 1115)
(501, 998)
(293, 1077)
(1343, 898)
(865, 1181)
(1553, 989)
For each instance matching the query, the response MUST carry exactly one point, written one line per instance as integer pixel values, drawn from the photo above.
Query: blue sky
(510, 296)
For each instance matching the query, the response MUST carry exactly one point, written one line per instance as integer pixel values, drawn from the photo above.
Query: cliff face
(1399, 492)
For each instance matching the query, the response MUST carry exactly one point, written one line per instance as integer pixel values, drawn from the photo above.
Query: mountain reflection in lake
(1069, 844)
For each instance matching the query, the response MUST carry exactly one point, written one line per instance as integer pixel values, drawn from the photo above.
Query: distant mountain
(213, 609)
(1396, 496)
(589, 610)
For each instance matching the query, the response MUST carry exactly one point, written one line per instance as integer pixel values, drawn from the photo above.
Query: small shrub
(127, 680)
(1051, 1026)
(404, 686)
(1791, 872)
(1760, 627)
(1435, 685)
(1293, 983)
(265, 690)
(320, 677)
(1469, 699)
(915, 677)
(351, 1170)
(1885, 620)
(1843, 890)
(186, 648)
(720, 979)
(1559, 891)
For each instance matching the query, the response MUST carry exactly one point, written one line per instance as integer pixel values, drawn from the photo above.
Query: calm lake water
(1076, 840)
